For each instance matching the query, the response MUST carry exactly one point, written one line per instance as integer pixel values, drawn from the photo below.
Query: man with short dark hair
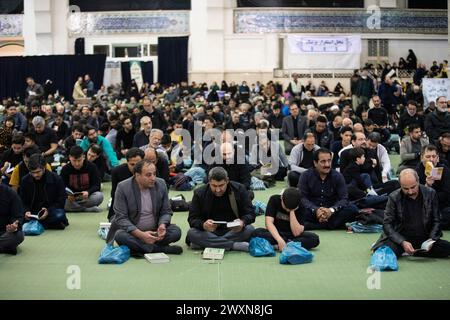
(301, 158)
(409, 117)
(123, 172)
(142, 214)
(285, 222)
(292, 129)
(124, 139)
(34, 92)
(411, 147)
(444, 148)
(12, 157)
(91, 136)
(71, 141)
(324, 137)
(95, 156)
(324, 195)
(142, 137)
(220, 200)
(43, 190)
(11, 220)
(82, 178)
(411, 218)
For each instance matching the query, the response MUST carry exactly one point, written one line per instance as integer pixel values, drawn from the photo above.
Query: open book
(231, 224)
(75, 194)
(10, 169)
(213, 253)
(436, 173)
(38, 215)
(157, 257)
(426, 246)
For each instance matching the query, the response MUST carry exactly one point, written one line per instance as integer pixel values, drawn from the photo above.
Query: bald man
(412, 217)
(237, 169)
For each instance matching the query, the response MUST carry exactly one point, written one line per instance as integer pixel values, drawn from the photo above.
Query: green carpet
(339, 270)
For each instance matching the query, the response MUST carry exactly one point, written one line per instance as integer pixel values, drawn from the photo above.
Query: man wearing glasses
(438, 122)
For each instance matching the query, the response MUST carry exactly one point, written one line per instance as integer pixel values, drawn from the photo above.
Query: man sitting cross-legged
(142, 213)
(284, 221)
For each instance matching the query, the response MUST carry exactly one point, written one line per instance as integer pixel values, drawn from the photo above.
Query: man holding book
(43, 196)
(411, 221)
(213, 207)
(143, 214)
(82, 182)
(436, 175)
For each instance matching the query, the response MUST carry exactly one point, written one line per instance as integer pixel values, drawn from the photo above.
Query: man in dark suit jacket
(142, 214)
(292, 129)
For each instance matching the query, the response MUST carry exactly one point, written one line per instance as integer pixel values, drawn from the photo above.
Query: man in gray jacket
(301, 158)
(411, 146)
(143, 214)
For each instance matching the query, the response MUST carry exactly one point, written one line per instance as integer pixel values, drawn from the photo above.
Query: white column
(60, 38)
(29, 24)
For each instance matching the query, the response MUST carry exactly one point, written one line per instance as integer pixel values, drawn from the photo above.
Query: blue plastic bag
(294, 253)
(357, 227)
(115, 255)
(260, 247)
(384, 259)
(33, 228)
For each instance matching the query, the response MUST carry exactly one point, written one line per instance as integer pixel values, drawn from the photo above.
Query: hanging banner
(434, 88)
(136, 73)
(113, 73)
(317, 52)
(317, 45)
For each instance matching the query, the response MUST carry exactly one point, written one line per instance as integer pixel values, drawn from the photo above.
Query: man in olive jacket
(142, 214)
(412, 217)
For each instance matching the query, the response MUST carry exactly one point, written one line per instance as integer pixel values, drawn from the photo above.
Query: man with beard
(438, 122)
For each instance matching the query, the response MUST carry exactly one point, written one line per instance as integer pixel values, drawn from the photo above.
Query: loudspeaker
(79, 46)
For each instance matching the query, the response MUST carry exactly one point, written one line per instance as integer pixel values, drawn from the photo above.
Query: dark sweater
(51, 194)
(85, 179)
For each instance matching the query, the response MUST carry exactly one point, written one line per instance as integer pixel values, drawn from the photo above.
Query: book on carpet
(426, 246)
(159, 257)
(105, 224)
(213, 253)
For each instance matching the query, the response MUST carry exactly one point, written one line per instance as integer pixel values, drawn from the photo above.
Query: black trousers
(10, 241)
(336, 221)
(293, 178)
(309, 240)
(440, 249)
(137, 246)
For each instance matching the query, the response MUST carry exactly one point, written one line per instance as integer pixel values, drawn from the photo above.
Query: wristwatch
(332, 210)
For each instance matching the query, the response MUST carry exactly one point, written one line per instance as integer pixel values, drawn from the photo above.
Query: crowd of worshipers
(54, 158)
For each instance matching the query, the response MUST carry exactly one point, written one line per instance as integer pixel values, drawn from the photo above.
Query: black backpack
(179, 203)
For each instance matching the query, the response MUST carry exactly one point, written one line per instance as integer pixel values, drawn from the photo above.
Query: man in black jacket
(11, 219)
(237, 170)
(43, 191)
(438, 122)
(123, 172)
(412, 217)
(221, 200)
(82, 178)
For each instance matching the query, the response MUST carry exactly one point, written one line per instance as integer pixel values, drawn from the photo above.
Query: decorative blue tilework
(352, 21)
(129, 22)
(11, 25)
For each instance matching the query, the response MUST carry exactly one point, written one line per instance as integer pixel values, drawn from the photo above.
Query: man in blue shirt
(324, 195)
